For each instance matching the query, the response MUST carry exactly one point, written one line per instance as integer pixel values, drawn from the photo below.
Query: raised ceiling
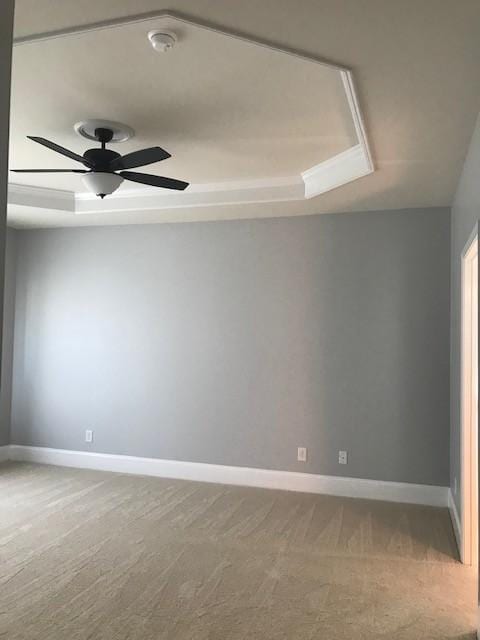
(228, 114)
(225, 108)
(244, 122)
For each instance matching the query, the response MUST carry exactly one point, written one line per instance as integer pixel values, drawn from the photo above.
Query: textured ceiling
(416, 69)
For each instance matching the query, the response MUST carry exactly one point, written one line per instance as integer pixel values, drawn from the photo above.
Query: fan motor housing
(100, 158)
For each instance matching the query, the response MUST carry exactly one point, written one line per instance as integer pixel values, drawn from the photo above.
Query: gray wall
(8, 331)
(6, 28)
(465, 215)
(236, 342)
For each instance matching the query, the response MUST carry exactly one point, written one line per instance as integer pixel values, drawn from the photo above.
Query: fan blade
(49, 170)
(154, 181)
(59, 149)
(139, 158)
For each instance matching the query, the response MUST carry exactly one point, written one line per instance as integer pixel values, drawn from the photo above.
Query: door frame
(469, 410)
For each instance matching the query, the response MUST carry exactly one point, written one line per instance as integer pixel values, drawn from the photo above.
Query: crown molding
(202, 188)
(349, 165)
(41, 197)
(213, 194)
(354, 105)
(337, 171)
(345, 167)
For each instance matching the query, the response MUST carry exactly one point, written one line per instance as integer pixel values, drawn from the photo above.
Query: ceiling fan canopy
(106, 169)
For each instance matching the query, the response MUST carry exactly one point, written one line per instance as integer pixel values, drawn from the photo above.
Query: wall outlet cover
(302, 454)
(88, 435)
(342, 457)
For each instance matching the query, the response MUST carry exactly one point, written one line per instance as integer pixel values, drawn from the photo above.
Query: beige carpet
(97, 556)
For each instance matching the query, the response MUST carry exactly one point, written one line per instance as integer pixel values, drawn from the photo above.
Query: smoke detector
(162, 41)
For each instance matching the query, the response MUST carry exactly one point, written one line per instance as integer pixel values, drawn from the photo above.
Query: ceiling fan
(106, 169)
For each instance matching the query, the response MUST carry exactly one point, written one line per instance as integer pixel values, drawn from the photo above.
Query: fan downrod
(103, 135)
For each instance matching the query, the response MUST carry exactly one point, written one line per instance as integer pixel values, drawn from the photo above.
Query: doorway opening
(469, 405)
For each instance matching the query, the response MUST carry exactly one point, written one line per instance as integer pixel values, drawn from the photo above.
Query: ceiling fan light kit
(102, 164)
(102, 184)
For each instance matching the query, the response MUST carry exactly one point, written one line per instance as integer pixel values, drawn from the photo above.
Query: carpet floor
(87, 555)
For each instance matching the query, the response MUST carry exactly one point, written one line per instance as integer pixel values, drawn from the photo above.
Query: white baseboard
(244, 476)
(456, 523)
(4, 453)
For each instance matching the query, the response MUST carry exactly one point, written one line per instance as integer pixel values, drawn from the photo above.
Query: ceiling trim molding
(334, 172)
(114, 23)
(258, 185)
(213, 194)
(337, 171)
(353, 103)
(41, 197)
(343, 168)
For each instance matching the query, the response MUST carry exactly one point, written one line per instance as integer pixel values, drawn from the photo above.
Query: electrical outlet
(302, 454)
(88, 435)
(342, 457)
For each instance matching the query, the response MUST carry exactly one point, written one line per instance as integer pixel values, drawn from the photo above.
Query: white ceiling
(228, 111)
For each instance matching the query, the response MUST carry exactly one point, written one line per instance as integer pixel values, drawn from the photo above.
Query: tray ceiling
(244, 122)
